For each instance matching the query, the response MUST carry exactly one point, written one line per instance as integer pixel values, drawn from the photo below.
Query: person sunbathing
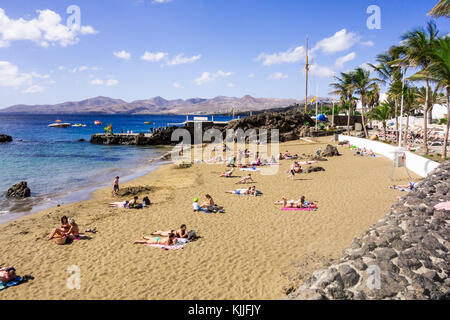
(74, 231)
(7, 274)
(246, 179)
(180, 233)
(65, 227)
(227, 174)
(239, 191)
(208, 203)
(121, 204)
(290, 203)
(167, 241)
(406, 187)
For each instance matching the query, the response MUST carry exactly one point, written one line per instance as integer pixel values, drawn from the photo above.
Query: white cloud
(230, 85)
(162, 1)
(153, 57)
(177, 85)
(122, 55)
(181, 59)
(289, 56)
(251, 75)
(33, 89)
(277, 76)
(340, 41)
(112, 82)
(368, 43)
(96, 82)
(44, 30)
(10, 76)
(321, 71)
(207, 77)
(339, 63)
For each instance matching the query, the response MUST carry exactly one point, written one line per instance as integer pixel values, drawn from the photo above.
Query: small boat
(59, 125)
(96, 122)
(147, 122)
(78, 125)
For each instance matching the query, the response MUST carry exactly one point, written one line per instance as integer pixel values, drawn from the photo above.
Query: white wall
(419, 165)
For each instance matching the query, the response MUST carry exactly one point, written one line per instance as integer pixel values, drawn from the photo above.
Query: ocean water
(58, 168)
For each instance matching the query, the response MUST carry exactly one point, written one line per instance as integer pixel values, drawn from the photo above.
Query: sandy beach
(253, 251)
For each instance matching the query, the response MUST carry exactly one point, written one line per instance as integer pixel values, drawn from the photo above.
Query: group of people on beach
(167, 238)
(68, 229)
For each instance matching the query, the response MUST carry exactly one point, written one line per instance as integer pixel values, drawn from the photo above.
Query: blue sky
(137, 49)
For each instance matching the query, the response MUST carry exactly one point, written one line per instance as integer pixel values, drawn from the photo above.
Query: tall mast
(307, 69)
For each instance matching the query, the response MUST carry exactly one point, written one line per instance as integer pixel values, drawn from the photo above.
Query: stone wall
(404, 256)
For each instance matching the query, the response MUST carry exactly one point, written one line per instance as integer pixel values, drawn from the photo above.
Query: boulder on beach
(314, 169)
(5, 138)
(19, 190)
(330, 151)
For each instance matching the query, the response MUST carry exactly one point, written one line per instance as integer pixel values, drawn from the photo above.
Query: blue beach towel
(15, 282)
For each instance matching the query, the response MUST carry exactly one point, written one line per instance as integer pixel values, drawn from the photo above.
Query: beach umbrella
(321, 117)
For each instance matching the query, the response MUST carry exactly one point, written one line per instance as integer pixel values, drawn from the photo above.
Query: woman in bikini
(180, 233)
(65, 227)
(74, 231)
(208, 203)
(168, 241)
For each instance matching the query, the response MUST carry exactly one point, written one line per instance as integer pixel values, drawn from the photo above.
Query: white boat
(78, 125)
(59, 125)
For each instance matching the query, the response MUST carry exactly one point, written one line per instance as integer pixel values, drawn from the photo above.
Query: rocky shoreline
(5, 138)
(404, 256)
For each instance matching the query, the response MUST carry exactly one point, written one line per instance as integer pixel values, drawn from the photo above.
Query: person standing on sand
(116, 186)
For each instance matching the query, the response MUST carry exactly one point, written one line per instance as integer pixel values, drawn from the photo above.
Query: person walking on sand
(116, 186)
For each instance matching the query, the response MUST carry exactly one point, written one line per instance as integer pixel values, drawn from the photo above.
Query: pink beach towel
(297, 209)
(443, 206)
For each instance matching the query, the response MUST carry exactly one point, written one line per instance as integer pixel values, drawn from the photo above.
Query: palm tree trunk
(425, 128)
(396, 121)
(406, 130)
(430, 116)
(363, 122)
(348, 121)
(444, 151)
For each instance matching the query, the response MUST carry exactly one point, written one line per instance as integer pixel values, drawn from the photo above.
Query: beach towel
(164, 247)
(443, 206)
(250, 169)
(298, 209)
(15, 282)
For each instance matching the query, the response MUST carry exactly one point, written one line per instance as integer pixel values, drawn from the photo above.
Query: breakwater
(404, 256)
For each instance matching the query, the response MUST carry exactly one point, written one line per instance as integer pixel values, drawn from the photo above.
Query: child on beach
(195, 205)
(116, 186)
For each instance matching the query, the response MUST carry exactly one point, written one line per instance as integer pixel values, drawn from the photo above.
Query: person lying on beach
(227, 174)
(246, 179)
(301, 203)
(7, 274)
(406, 187)
(180, 233)
(168, 241)
(239, 191)
(65, 227)
(121, 204)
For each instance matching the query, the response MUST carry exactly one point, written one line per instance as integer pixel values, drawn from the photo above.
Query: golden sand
(253, 251)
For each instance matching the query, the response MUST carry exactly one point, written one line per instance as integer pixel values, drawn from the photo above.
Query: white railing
(419, 165)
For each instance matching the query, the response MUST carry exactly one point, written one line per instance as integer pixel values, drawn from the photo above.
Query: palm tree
(439, 72)
(390, 74)
(441, 9)
(415, 49)
(343, 87)
(381, 113)
(411, 103)
(362, 84)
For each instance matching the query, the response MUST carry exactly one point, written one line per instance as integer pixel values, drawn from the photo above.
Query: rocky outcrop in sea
(19, 190)
(404, 256)
(5, 138)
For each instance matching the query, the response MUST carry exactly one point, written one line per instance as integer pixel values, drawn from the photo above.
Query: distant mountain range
(157, 105)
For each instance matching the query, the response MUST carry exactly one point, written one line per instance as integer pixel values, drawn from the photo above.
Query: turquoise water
(60, 169)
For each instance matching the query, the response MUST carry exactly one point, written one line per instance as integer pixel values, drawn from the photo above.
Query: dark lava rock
(314, 169)
(19, 190)
(330, 151)
(5, 138)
